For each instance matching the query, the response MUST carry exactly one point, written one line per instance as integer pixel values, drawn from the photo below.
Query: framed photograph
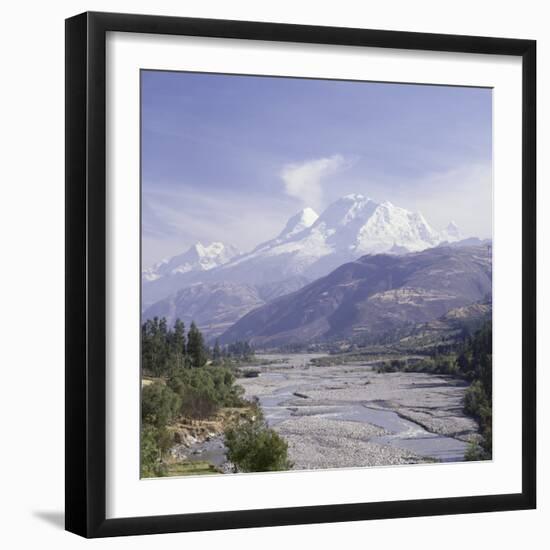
(300, 274)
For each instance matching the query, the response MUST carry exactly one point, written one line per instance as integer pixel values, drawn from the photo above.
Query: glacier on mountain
(352, 226)
(308, 247)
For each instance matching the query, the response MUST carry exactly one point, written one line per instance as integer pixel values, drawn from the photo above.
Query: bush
(478, 405)
(159, 404)
(202, 391)
(198, 403)
(253, 447)
(241, 351)
(151, 454)
(386, 367)
(475, 400)
(479, 451)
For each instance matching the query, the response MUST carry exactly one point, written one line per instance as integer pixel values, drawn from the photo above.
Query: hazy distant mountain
(214, 307)
(308, 247)
(217, 306)
(470, 241)
(371, 295)
(171, 274)
(451, 233)
(197, 258)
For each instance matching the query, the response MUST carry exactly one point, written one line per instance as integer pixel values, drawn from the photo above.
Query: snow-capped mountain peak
(297, 223)
(346, 210)
(361, 225)
(198, 257)
(348, 228)
(214, 254)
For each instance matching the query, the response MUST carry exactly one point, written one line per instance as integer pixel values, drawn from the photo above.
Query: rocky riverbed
(351, 415)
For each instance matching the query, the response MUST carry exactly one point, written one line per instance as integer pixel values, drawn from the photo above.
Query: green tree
(253, 447)
(217, 353)
(149, 346)
(164, 440)
(240, 350)
(153, 446)
(195, 347)
(478, 398)
(203, 391)
(159, 404)
(177, 339)
(176, 348)
(149, 452)
(154, 346)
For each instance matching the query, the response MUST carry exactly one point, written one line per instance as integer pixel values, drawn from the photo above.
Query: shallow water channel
(283, 402)
(283, 392)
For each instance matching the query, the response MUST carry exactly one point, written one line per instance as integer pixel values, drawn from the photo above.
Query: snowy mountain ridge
(198, 257)
(352, 226)
(308, 247)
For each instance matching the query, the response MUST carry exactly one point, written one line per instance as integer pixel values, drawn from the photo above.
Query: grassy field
(191, 469)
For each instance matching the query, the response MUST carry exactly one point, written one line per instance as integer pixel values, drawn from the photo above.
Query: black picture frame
(86, 274)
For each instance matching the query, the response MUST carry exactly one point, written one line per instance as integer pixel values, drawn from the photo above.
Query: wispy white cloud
(304, 180)
(189, 215)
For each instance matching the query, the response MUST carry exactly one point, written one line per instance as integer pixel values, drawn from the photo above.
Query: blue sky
(230, 158)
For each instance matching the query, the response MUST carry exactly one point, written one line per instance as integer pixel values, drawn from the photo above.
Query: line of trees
(165, 350)
(477, 360)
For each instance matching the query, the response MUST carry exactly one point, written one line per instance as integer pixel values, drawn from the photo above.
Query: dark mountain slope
(371, 295)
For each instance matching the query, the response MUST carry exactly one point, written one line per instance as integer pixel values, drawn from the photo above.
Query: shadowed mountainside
(371, 295)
